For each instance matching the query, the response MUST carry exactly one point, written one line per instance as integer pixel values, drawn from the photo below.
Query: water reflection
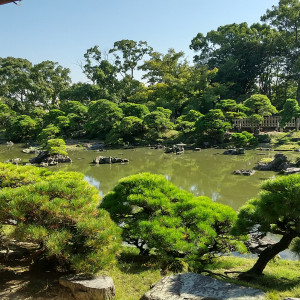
(93, 182)
(207, 173)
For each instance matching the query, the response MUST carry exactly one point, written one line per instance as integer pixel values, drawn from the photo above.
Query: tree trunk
(266, 255)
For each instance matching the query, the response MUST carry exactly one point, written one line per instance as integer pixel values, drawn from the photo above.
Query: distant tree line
(239, 71)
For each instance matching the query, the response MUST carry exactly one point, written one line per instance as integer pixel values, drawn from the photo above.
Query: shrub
(59, 212)
(156, 215)
(56, 146)
(244, 139)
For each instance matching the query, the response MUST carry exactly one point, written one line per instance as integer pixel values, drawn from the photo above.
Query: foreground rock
(195, 287)
(45, 159)
(98, 288)
(109, 160)
(244, 172)
(279, 163)
(234, 151)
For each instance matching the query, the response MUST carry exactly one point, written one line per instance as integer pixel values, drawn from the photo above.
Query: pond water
(206, 172)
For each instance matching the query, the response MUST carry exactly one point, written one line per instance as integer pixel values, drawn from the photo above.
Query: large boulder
(90, 288)
(193, 286)
(278, 164)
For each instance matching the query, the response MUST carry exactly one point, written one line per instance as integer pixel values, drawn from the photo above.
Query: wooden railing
(272, 122)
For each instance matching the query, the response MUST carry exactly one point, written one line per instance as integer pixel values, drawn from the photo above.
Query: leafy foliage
(290, 110)
(212, 126)
(103, 114)
(244, 139)
(156, 215)
(56, 146)
(21, 128)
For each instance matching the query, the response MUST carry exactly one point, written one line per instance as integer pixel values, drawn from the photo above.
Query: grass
(282, 141)
(281, 277)
(134, 275)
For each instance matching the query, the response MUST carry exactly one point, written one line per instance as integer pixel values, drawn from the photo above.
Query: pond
(206, 172)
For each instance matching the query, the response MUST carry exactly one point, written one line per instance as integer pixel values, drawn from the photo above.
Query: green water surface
(207, 172)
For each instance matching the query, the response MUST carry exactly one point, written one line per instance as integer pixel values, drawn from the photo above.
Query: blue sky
(62, 30)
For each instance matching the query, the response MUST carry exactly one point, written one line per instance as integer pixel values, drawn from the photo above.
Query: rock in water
(51, 160)
(109, 160)
(279, 163)
(234, 151)
(193, 286)
(244, 172)
(83, 288)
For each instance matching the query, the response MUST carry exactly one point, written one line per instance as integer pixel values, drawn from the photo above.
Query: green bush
(244, 139)
(56, 146)
(59, 212)
(156, 215)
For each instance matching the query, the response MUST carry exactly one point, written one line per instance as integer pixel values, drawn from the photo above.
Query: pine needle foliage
(276, 210)
(156, 215)
(59, 212)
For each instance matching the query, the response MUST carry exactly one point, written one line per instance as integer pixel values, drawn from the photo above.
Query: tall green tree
(243, 55)
(15, 82)
(128, 54)
(49, 79)
(26, 86)
(103, 115)
(285, 17)
(290, 110)
(101, 72)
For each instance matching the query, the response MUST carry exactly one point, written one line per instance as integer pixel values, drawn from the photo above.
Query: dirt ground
(19, 280)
